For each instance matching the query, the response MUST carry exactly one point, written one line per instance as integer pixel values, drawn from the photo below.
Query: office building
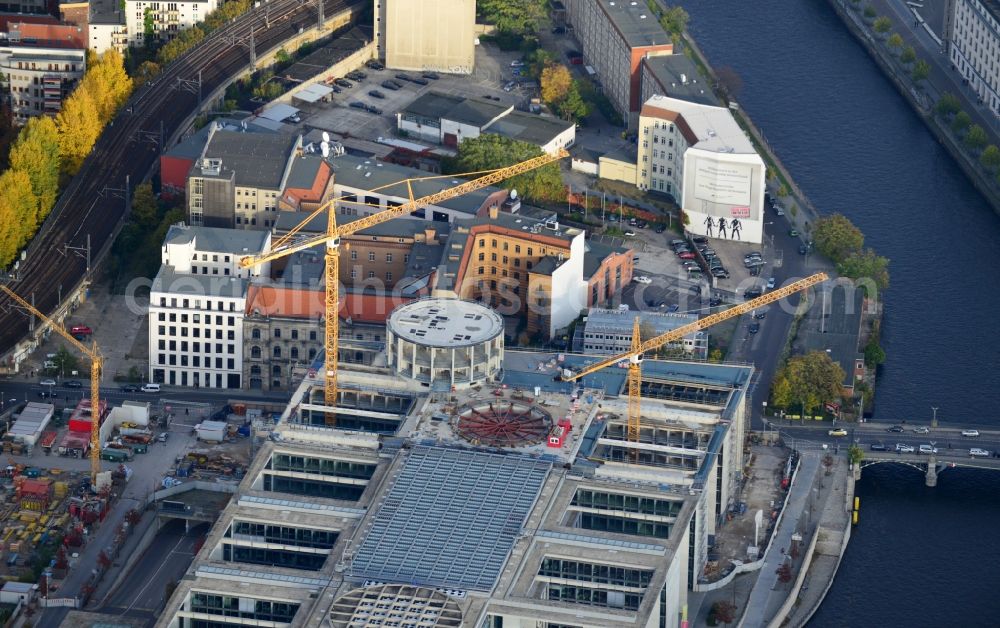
(609, 331)
(163, 20)
(615, 36)
(40, 65)
(197, 304)
(972, 36)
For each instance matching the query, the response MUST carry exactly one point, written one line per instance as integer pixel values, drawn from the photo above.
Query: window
(277, 332)
(354, 255)
(388, 257)
(482, 258)
(371, 274)
(277, 352)
(295, 334)
(388, 276)
(371, 256)
(255, 334)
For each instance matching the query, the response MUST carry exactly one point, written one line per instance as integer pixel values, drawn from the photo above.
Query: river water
(920, 557)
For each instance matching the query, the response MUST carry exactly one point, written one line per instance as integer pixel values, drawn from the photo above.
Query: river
(920, 557)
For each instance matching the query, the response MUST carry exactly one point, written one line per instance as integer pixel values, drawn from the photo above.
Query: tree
(976, 138)
(108, 84)
(489, 151)
(961, 122)
(723, 612)
(517, 17)
(882, 25)
(282, 56)
(836, 237)
(908, 55)
(675, 20)
(990, 157)
(18, 214)
(870, 12)
(895, 42)
(810, 381)
(866, 265)
(36, 153)
(573, 106)
(855, 454)
(948, 105)
(537, 60)
(145, 207)
(65, 361)
(146, 71)
(874, 353)
(921, 70)
(556, 82)
(79, 127)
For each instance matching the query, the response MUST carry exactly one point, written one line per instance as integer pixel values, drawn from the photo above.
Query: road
(142, 593)
(89, 210)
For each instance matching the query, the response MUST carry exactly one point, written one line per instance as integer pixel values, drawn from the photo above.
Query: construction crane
(96, 364)
(289, 244)
(639, 347)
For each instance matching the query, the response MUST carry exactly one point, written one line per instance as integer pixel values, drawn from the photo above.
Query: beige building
(426, 34)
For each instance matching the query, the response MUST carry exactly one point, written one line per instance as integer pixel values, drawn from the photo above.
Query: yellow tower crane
(96, 364)
(289, 244)
(639, 346)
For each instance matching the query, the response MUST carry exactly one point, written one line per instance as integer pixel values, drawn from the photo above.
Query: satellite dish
(325, 149)
(326, 136)
(513, 194)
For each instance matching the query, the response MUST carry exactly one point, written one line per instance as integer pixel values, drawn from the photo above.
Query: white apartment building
(167, 18)
(973, 36)
(197, 304)
(41, 64)
(607, 332)
(701, 156)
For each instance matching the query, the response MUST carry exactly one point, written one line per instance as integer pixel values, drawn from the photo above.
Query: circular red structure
(503, 424)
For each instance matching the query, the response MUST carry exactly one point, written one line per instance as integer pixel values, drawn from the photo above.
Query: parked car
(714, 302)
(509, 86)
(759, 316)
(130, 388)
(517, 63)
(660, 228)
(559, 30)
(895, 428)
(389, 85)
(48, 382)
(904, 449)
(356, 75)
(343, 83)
(751, 293)
(682, 254)
(631, 233)
(927, 449)
(150, 388)
(755, 271)
(838, 432)
(420, 81)
(754, 328)
(358, 105)
(431, 75)
(376, 94)
(720, 273)
(793, 232)
(163, 437)
(375, 64)
(336, 90)
(920, 430)
(373, 109)
(976, 452)
(642, 279)
(971, 433)
(73, 383)
(45, 394)
(803, 250)
(879, 446)
(673, 308)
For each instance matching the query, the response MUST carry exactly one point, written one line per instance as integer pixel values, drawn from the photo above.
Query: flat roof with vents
(445, 323)
(450, 519)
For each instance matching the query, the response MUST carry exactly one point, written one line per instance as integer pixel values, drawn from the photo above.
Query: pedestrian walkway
(767, 596)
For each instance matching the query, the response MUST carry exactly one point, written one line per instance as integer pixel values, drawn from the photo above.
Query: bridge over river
(944, 447)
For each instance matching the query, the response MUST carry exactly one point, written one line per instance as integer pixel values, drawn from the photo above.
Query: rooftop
(168, 281)
(258, 159)
(617, 321)
(706, 127)
(44, 35)
(528, 127)
(305, 170)
(678, 77)
(402, 605)
(596, 253)
(450, 518)
(841, 330)
(322, 59)
(435, 105)
(445, 323)
(367, 174)
(217, 240)
(636, 23)
(285, 302)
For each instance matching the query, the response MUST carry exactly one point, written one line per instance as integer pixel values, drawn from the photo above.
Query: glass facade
(594, 597)
(312, 488)
(596, 573)
(321, 466)
(623, 525)
(273, 557)
(286, 535)
(241, 608)
(628, 503)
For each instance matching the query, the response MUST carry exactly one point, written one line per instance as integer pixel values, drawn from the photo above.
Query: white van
(151, 388)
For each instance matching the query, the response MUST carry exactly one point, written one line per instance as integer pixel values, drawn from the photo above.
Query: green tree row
(561, 92)
(489, 152)
(136, 251)
(46, 148)
(837, 238)
(186, 39)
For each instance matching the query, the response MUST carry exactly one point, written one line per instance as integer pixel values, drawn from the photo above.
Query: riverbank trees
(806, 382)
(837, 238)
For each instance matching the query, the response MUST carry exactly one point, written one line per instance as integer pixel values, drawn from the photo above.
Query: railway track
(89, 206)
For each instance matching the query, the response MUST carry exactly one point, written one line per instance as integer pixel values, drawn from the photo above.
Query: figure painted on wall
(709, 224)
(735, 228)
(722, 227)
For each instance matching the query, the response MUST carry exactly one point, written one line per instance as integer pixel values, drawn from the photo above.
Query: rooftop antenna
(326, 136)
(325, 148)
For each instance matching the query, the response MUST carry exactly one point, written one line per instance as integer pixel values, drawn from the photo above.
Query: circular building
(445, 343)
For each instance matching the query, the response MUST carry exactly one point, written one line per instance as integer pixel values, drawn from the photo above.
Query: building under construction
(520, 500)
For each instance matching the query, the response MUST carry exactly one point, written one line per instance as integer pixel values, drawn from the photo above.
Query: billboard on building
(723, 194)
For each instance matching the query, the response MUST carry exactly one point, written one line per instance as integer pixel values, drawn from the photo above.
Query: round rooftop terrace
(445, 323)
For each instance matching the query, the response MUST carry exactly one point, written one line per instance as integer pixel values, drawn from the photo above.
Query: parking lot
(492, 72)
